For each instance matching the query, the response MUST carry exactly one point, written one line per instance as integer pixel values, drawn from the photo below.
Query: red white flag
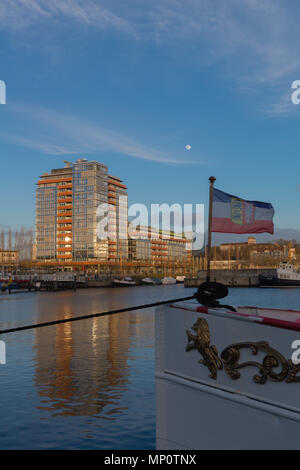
(232, 214)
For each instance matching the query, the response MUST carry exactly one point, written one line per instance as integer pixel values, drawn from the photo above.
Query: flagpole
(212, 180)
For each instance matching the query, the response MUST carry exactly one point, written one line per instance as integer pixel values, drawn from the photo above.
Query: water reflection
(83, 367)
(87, 384)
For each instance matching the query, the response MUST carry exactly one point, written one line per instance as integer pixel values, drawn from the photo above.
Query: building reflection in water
(82, 367)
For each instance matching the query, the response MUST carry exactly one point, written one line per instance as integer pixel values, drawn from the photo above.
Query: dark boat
(285, 276)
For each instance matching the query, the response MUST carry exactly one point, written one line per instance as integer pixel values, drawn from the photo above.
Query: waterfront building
(157, 246)
(251, 253)
(9, 257)
(252, 249)
(67, 215)
(117, 219)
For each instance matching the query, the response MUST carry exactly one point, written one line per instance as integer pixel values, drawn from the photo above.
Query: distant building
(252, 249)
(157, 246)
(117, 219)
(231, 246)
(34, 252)
(9, 257)
(67, 217)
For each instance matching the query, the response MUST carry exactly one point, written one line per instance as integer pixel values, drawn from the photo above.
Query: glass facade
(118, 219)
(150, 244)
(90, 190)
(67, 200)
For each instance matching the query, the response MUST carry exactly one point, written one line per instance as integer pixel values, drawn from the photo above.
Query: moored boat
(168, 281)
(12, 285)
(285, 276)
(148, 281)
(125, 282)
(180, 279)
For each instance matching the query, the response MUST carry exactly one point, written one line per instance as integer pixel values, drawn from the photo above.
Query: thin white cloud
(44, 146)
(283, 107)
(61, 134)
(20, 14)
(262, 35)
(254, 41)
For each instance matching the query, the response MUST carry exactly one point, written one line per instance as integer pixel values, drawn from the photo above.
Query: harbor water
(89, 384)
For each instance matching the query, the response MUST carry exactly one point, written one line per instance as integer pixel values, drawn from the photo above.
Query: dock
(231, 277)
(54, 282)
(43, 282)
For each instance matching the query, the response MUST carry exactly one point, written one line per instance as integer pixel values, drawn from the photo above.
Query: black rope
(208, 294)
(93, 315)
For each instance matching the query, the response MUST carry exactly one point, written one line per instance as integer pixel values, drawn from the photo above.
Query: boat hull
(214, 366)
(124, 283)
(145, 283)
(15, 285)
(265, 281)
(168, 281)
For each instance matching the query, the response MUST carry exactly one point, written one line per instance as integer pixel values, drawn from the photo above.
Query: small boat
(148, 281)
(14, 284)
(285, 276)
(126, 282)
(168, 281)
(180, 279)
(8, 285)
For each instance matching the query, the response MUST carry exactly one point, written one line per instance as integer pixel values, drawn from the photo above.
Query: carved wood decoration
(274, 367)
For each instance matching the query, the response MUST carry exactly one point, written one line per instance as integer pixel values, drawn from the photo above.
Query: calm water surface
(89, 384)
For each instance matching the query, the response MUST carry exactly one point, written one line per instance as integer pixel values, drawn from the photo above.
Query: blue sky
(131, 83)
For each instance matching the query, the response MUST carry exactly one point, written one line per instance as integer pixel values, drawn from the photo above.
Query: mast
(212, 180)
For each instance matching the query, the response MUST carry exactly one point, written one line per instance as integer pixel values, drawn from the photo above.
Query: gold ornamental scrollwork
(273, 359)
(201, 341)
(230, 357)
(294, 369)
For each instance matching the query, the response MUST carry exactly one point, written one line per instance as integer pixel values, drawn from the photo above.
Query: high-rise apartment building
(68, 216)
(117, 219)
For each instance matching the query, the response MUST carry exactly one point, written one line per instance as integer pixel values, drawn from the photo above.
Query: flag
(232, 214)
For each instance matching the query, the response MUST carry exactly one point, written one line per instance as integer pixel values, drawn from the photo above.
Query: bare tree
(2, 240)
(23, 242)
(9, 239)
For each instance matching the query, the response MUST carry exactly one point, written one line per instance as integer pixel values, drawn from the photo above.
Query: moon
(188, 147)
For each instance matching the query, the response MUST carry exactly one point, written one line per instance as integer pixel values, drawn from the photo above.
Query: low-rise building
(251, 248)
(9, 257)
(157, 246)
